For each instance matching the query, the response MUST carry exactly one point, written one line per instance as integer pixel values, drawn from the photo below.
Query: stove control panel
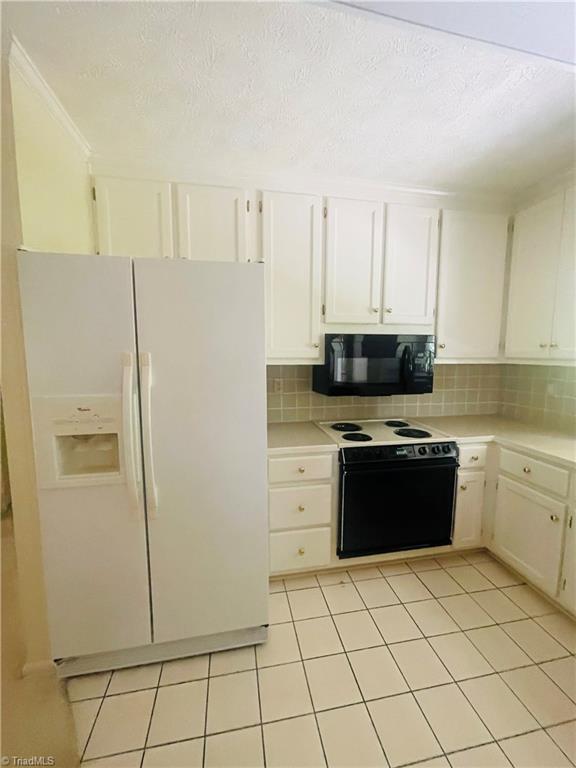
(412, 451)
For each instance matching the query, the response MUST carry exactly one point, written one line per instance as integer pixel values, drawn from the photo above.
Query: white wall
(52, 167)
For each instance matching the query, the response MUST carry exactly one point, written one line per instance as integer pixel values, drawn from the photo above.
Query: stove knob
(422, 450)
(436, 449)
(446, 448)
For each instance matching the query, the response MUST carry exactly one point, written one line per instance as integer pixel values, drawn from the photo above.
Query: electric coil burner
(358, 437)
(346, 426)
(411, 432)
(396, 423)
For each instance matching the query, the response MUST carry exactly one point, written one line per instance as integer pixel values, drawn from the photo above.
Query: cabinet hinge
(563, 584)
(570, 521)
(260, 206)
(325, 212)
(247, 206)
(323, 309)
(94, 194)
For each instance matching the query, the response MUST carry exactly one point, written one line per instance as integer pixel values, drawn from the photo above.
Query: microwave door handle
(406, 366)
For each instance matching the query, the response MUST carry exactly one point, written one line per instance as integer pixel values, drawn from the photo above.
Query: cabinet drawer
(299, 505)
(536, 472)
(298, 468)
(472, 456)
(299, 549)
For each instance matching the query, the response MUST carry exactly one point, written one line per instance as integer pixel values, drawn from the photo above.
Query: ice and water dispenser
(78, 440)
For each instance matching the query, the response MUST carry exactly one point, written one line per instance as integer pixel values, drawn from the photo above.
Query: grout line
(260, 706)
(308, 682)
(96, 718)
(206, 711)
(151, 716)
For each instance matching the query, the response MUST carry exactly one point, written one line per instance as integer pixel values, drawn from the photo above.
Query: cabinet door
(535, 253)
(354, 253)
(212, 223)
(292, 247)
(134, 218)
(563, 344)
(469, 508)
(471, 283)
(567, 593)
(410, 264)
(528, 529)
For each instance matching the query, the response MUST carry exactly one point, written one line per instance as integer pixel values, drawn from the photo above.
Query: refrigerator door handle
(146, 384)
(128, 428)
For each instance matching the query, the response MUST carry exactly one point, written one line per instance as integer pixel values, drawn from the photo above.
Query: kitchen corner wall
(458, 390)
(540, 394)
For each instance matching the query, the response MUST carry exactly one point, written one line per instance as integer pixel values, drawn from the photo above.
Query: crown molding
(25, 67)
(545, 188)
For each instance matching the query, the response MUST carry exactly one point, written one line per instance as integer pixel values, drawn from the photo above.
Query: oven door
(392, 506)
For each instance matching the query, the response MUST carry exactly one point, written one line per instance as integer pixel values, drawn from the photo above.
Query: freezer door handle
(146, 385)
(128, 428)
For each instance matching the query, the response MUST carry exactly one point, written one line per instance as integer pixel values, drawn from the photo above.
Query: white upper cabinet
(354, 253)
(471, 284)
(533, 278)
(563, 341)
(213, 223)
(292, 252)
(133, 217)
(410, 264)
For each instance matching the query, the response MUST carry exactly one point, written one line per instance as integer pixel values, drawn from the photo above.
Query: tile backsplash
(458, 390)
(540, 394)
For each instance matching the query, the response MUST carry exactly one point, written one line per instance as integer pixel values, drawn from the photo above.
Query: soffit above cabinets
(245, 88)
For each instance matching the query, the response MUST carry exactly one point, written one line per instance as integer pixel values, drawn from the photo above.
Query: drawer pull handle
(301, 551)
(301, 508)
(554, 518)
(526, 470)
(463, 487)
(474, 458)
(301, 470)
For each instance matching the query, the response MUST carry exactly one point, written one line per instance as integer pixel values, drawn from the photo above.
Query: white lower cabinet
(469, 509)
(300, 503)
(567, 592)
(528, 533)
(292, 550)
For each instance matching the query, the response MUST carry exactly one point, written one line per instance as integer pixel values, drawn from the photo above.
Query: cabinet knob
(553, 346)
(526, 470)
(442, 346)
(389, 310)
(375, 310)
(301, 470)
(554, 518)
(463, 487)
(542, 346)
(301, 551)
(316, 346)
(301, 508)
(474, 458)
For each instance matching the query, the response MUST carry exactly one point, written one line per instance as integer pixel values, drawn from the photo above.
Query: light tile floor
(431, 662)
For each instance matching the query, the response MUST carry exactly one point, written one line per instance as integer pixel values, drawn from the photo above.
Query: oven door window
(395, 508)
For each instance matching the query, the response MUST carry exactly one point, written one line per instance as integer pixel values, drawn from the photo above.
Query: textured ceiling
(306, 88)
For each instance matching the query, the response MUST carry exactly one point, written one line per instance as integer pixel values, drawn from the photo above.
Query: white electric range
(379, 432)
(397, 486)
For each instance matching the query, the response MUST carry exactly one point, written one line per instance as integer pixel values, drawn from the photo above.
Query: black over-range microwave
(375, 364)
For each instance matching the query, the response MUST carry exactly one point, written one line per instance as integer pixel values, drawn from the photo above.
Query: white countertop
(292, 436)
(550, 444)
(298, 434)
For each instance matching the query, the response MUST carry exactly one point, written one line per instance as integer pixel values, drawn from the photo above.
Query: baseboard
(39, 668)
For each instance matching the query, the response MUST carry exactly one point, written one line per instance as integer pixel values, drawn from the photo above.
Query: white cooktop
(380, 431)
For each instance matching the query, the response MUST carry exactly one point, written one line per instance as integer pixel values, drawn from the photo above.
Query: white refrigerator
(147, 390)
